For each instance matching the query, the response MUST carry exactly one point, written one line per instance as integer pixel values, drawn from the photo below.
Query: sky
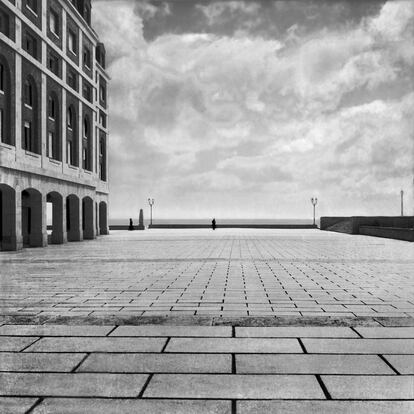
(247, 109)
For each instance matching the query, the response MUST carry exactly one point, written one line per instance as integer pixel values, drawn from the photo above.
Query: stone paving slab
(13, 405)
(312, 364)
(359, 346)
(404, 364)
(71, 385)
(101, 344)
(130, 406)
(303, 332)
(325, 407)
(234, 345)
(394, 332)
(151, 363)
(155, 330)
(233, 386)
(13, 343)
(370, 388)
(28, 362)
(55, 330)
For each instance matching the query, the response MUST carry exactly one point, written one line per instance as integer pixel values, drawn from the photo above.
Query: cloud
(239, 116)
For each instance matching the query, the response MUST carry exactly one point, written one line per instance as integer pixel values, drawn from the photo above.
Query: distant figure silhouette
(213, 224)
(131, 225)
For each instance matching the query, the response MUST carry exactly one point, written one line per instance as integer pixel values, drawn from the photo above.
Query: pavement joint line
(28, 346)
(302, 345)
(141, 393)
(113, 329)
(80, 363)
(36, 403)
(389, 364)
(233, 406)
(233, 364)
(323, 386)
(354, 330)
(165, 345)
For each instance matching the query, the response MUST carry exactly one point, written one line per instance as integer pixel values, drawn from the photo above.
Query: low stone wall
(220, 226)
(388, 232)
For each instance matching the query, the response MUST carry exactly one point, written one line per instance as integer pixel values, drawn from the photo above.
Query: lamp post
(402, 202)
(151, 203)
(314, 201)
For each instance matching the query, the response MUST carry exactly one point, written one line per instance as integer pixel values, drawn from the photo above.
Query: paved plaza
(196, 321)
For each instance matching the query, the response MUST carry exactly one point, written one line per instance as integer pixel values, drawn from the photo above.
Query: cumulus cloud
(219, 120)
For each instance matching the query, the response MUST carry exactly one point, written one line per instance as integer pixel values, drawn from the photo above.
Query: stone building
(53, 124)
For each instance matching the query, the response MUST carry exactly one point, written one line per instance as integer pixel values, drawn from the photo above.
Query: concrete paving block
(311, 364)
(12, 405)
(105, 344)
(359, 346)
(157, 330)
(386, 332)
(370, 387)
(296, 331)
(71, 385)
(234, 345)
(54, 330)
(41, 362)
(164, 363)
(16, 344)
(130, 406)
(404, 364)
(233, 386)
(325, 407)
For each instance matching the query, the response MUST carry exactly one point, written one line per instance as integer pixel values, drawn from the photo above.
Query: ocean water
(125, 221)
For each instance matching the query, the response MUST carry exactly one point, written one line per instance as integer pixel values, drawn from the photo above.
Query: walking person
(131, 225)
(213, 224)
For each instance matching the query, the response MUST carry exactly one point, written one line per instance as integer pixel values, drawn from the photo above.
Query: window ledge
(73, 167)
(7, 146)
(32, 154)
(28, 106)
(55, 162)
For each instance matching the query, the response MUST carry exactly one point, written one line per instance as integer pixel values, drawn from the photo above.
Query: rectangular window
(28, 94)
(87, 91)
(69, 153)
(2, 75)
(102, 119)
(4, 23)
(1, 125)
(72, 80)
(86, 57)
(28, 136)
(51, 105)
(85, 158)
(30, 45)
(53, 63)
(72, 42)
(50, 144)
(54, 23)
(102, 93)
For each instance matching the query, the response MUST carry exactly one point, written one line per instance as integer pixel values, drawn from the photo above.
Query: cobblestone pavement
(229, 272)
(236, 321)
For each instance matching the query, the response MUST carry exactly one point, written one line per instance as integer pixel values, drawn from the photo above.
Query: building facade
(53, 124)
